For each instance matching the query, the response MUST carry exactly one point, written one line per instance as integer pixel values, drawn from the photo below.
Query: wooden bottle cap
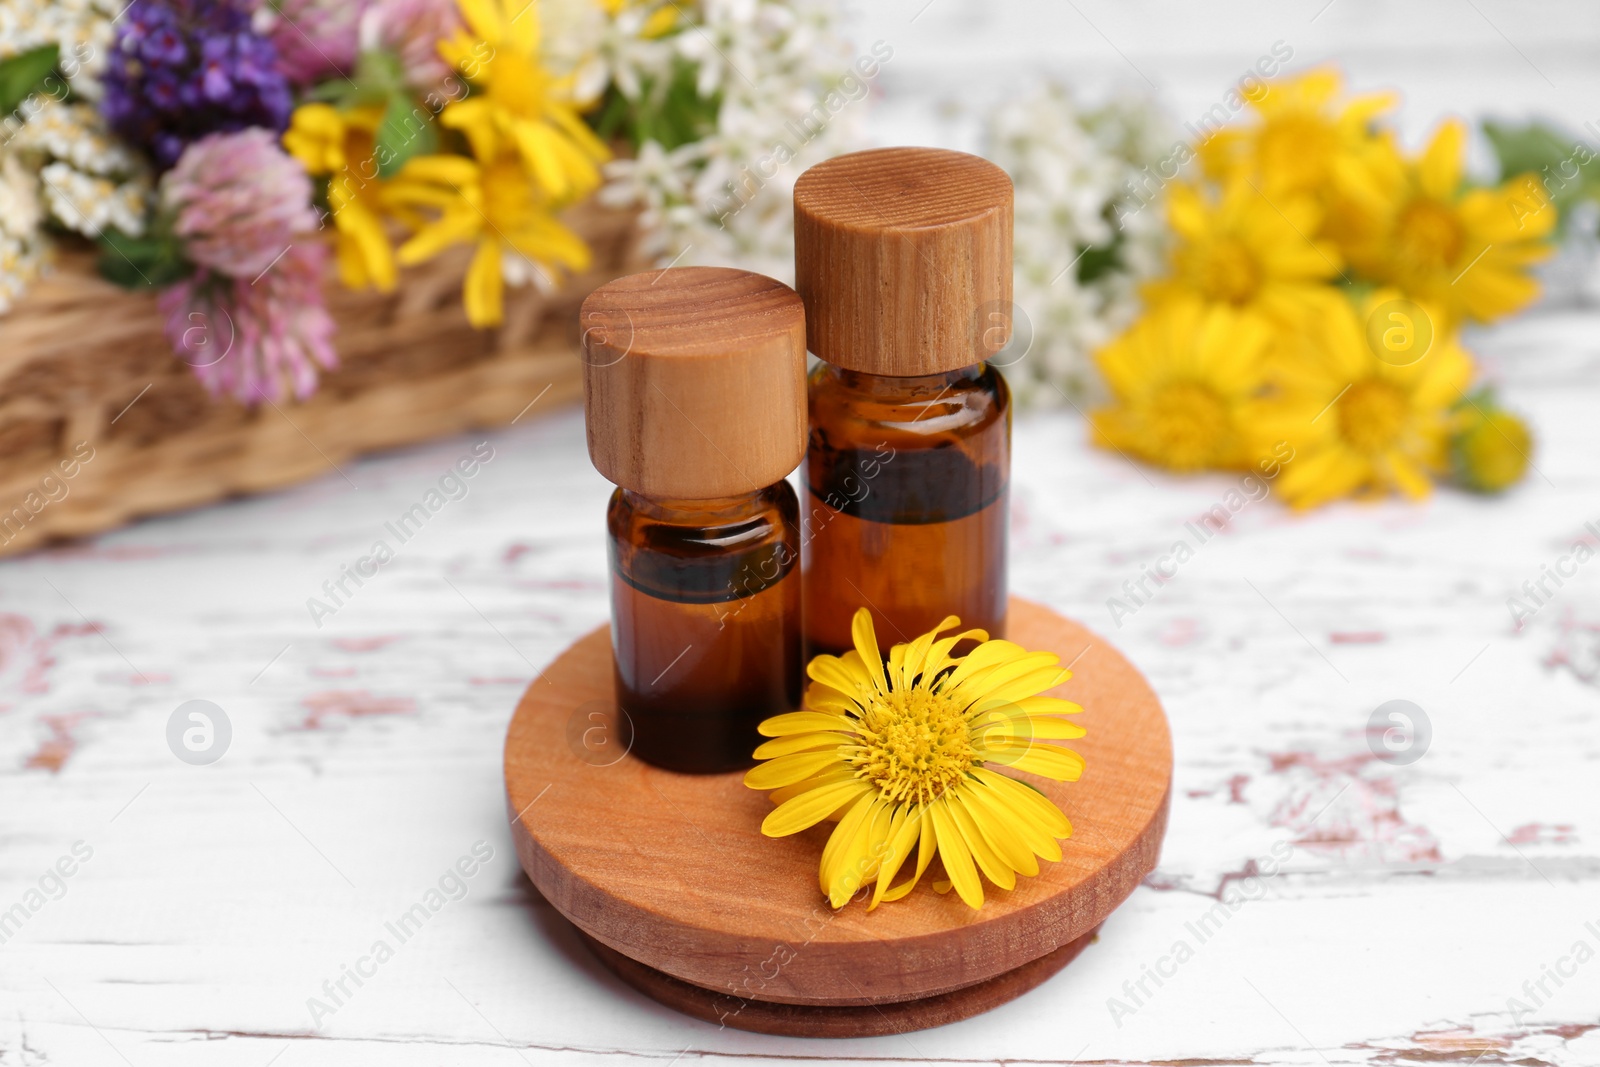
(903, 259)
(694, 381)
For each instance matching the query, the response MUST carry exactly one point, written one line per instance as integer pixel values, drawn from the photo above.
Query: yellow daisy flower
(521, 101)
(1360, 424)
(496, 206)
(1307, 142)
(1468, 251)
(1356, 220)
(1247, 251)
(1181, 378)
(339, 144)
(896, 753)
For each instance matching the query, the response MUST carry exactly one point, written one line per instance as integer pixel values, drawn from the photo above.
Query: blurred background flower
(1085, 238)
(251, 319)
(258, 339)
(315, 39)
(1301, 211)
(746, 95)
(180, 69)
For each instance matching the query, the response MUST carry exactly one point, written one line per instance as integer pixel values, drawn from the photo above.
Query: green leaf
(377, 77)
(142, 262)
(671, 112)
(407, 130)
(1096, 261)
(381, 72)
(1526, 148)
(22, 73)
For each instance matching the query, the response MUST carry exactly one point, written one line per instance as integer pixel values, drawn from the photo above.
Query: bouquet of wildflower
(1308, 321)
(232, 152)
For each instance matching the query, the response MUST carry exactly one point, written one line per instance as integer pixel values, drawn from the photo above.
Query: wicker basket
(83, 362)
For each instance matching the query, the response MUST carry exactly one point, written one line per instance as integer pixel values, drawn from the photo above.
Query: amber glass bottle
(705, 604)
(694, 394)
(903, 259)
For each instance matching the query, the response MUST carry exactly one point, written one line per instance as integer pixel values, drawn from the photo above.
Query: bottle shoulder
(930, 411)
(704, 528)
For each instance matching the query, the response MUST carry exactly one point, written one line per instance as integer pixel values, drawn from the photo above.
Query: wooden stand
(686, 901)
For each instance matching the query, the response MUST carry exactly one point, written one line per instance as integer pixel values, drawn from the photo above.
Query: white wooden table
(365, 761)
(1421, 907)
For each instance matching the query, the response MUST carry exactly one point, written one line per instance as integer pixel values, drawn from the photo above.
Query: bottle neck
(696, 512)
(891, 387)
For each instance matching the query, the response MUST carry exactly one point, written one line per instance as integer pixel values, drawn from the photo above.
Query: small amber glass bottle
(694, 391)
(903, 259)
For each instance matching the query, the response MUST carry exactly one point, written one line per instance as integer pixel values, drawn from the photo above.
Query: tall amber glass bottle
(903, 260)
(694, 392)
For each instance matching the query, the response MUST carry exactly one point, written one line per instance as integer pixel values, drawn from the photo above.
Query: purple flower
(162, 91)
(181, 69)
(216, 55)
(255, 340)
(317, 38)
(164, 46)
(237, 201)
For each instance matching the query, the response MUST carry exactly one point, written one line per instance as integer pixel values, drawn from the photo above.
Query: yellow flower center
(915, 745)
(1428, 234)
(517, 83)
(507, 197)
(1371, 415)
(1187, 421)
(1226, 270)
(1294, 150)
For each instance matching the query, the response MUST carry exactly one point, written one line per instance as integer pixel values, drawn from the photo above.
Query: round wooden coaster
(859, 1020)
(672, 870)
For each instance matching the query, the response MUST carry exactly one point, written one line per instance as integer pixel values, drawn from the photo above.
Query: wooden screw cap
(903, 259)
(694, 381)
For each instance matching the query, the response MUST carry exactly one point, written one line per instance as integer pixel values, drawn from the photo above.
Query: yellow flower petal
(786, 770)
(796, 722)
(904, 834)
(866, 642)
(807, 810)
(956, 856)
(484, 288)
(988, 860)
(1439, 170)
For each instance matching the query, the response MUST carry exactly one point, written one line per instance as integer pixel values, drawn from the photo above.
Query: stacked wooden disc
(670, 878)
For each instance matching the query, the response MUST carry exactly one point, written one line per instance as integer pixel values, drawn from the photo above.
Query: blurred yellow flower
(339, 144)
(1247, 251)
(1468, 251)
(1181, 378)
(520, 101)
(1359, 424)
(497, 206)
(1307, 141)
(1491, 447)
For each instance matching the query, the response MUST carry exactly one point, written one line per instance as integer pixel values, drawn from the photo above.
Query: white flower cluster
(1086, 236)
(21, 242)
(597, 44)
(789, 91)
(58, 162)
(80, 29)
(91, 182)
